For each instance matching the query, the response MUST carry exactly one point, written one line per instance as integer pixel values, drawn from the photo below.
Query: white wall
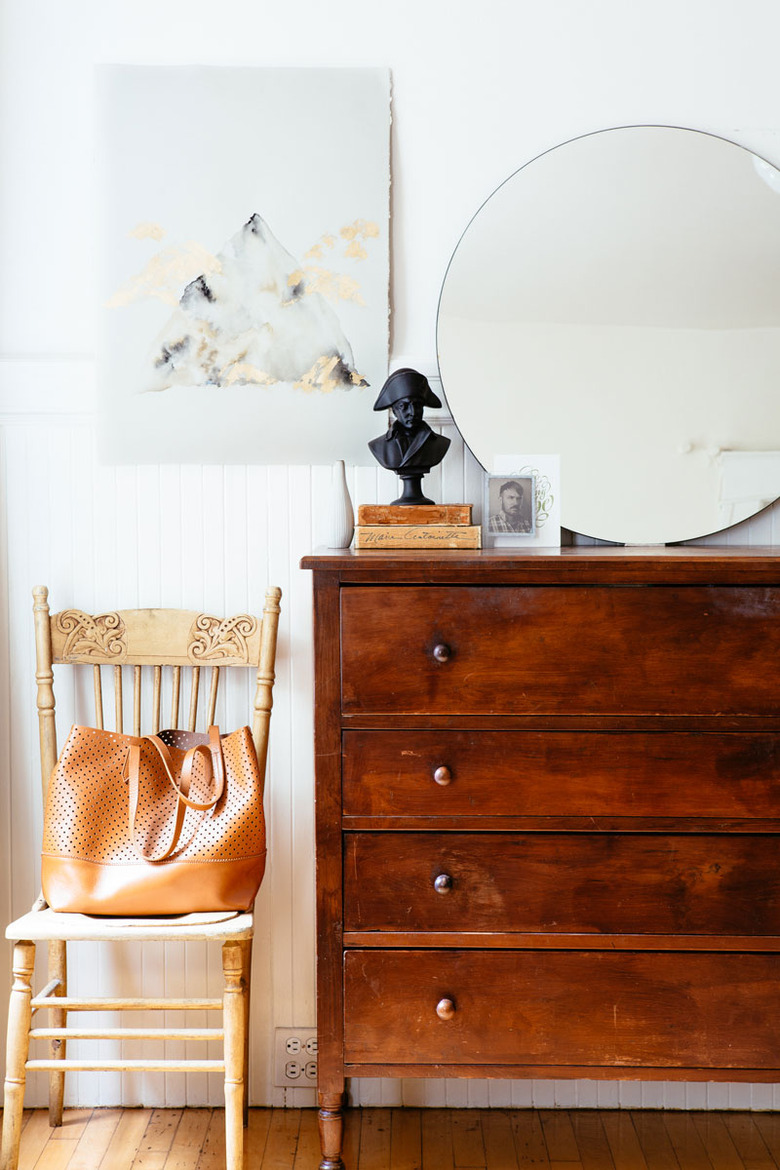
(478, 90)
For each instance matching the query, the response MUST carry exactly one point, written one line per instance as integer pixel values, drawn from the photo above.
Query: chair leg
(19, 1019)
(234, 1025)
(246, 948)
(58, 969)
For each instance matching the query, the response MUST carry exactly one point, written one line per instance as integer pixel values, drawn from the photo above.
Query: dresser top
(596, 564)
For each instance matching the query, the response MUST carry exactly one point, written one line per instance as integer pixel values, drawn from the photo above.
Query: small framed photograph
(510, 506)
(543, 473)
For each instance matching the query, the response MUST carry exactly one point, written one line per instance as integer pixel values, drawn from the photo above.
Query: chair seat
(49, 924)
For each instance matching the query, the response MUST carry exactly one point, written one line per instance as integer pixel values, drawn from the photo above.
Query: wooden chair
(168, 644)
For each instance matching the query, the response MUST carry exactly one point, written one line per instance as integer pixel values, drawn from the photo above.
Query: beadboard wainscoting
(212, 538)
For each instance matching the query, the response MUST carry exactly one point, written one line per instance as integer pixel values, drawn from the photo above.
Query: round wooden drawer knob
(443, 775)
(442, 652)
(443, 883)
(445, 1009)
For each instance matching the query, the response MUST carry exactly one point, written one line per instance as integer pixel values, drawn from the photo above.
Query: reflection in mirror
(617, 301)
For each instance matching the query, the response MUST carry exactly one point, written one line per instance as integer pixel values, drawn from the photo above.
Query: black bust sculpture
(410, 448)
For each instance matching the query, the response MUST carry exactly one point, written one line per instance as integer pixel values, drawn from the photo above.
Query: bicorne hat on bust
(406, 383)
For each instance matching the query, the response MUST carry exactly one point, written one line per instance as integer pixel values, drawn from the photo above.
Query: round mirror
(617, 302)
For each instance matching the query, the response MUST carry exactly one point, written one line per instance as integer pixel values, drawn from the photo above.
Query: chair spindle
(194, 698)
(156, 699)
(98, 697)
(136, 700)
(119, 725)
(175, 692)
(213, 695)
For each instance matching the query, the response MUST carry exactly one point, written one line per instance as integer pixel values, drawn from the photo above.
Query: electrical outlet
(295, 1058)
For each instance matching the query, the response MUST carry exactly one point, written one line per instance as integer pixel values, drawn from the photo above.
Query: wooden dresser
(548, 806)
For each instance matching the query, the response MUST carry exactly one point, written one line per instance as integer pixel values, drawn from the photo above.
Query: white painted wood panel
(212, 538)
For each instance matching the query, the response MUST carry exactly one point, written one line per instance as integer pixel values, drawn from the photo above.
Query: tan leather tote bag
(161, 824)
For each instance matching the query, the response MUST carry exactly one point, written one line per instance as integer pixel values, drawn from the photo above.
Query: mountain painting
(243, 266)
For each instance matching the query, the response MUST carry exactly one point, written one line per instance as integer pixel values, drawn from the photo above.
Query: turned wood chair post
(19, 1019)
(234, 1023)
(58, 969)
(44, 677)
(57, 949)
(246, 951)
(263, 702)
(265, 675)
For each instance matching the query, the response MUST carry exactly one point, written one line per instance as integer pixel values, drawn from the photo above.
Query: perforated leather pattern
(87, 806)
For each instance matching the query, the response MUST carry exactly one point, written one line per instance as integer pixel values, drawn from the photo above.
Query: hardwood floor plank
(157, 1139)
(437, 1139)
(499, 1140)
(212, 1156)
(623, 1140)
(282, 1142)
(151, 1160)
(748, 1141)
(592, 1144)
(125, 1140)
(654, 1141)
(530, 1145)
(405, 1139)
(375, 1133)
(256, 1136)
(307, 1155)
(686, 1142)
(768, 1125)
(353, 1122)
(74, 1122)
(185, 1149)
(35, 1137)
(559, 1136)
(95, 1139)
(56, 1155)
(716, 1139)
(468, 1146)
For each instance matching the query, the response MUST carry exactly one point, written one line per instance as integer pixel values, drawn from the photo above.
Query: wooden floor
(408, 1139)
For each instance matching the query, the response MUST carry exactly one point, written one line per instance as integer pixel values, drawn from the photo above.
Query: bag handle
(214, 762)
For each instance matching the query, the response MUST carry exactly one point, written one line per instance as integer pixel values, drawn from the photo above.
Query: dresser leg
(331, 1123)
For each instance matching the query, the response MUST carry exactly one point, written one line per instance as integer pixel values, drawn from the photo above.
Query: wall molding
(46, 386)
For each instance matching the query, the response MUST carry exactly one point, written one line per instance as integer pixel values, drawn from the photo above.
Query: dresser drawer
(578, 650)
(572, 1008)
(604, 883)
(560, 774)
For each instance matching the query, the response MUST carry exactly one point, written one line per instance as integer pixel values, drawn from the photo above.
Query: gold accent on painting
(354, 234)
(166, 274)
(147, 231)
(316, 251)
(241, 373)
(356, 251)
(332, 285)
(320, 376)
(363, 229)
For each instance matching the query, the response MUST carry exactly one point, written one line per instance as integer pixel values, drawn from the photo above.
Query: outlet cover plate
(295, 1058)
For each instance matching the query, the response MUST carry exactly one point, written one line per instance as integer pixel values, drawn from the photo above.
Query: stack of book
(410, 526)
